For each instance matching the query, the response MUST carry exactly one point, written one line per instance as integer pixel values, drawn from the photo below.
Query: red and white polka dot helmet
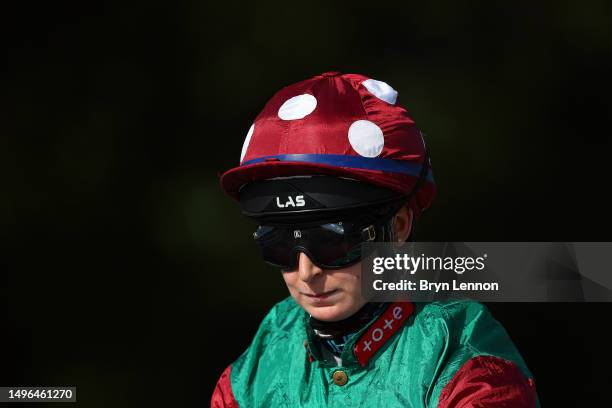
(344, 125)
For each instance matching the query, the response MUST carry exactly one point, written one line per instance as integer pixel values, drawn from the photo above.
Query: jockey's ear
(402, 223)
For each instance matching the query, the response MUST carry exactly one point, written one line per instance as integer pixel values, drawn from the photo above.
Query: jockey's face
(335, 294)
(328, 295)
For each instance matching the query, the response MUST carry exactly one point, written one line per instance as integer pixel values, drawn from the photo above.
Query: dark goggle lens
(332, 245)
(275, 245)
(335, 245)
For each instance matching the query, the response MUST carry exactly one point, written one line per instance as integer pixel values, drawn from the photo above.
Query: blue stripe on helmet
(355, 162)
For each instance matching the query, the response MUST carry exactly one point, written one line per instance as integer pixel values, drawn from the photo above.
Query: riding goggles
(332, 245)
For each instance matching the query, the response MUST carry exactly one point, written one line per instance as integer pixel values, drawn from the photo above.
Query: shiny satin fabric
(446, 354)
(320, 142)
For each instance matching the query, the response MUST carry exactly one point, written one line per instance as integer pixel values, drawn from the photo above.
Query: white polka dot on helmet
(343, 125)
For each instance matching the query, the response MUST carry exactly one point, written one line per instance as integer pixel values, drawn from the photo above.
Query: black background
(125, 270)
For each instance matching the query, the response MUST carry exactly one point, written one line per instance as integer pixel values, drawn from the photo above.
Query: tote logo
(385, 326)
(298, 201)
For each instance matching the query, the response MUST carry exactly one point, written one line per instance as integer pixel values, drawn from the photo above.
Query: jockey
(332, 162)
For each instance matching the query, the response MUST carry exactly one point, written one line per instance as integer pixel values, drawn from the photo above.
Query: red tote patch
(389, 322)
